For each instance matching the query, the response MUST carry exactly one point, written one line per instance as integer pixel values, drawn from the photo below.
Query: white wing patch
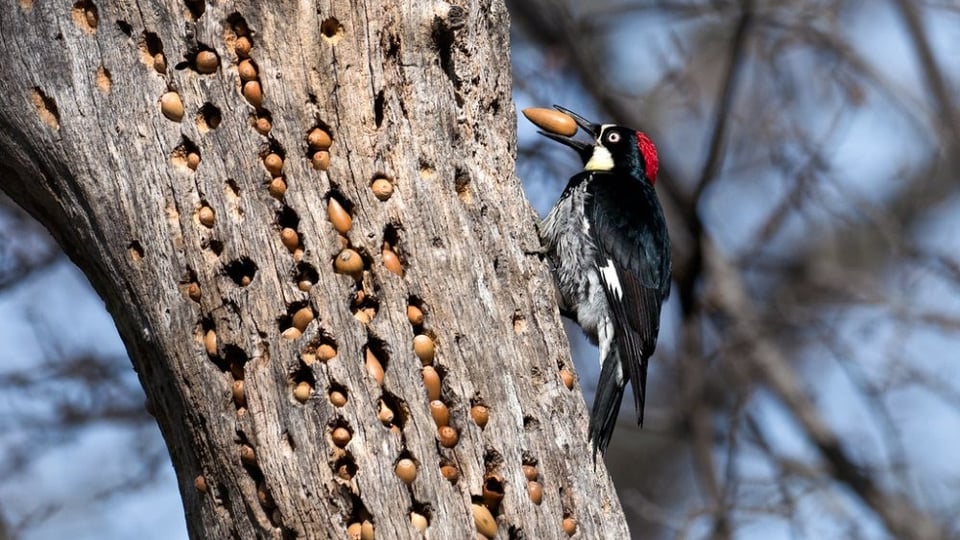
(610, 278)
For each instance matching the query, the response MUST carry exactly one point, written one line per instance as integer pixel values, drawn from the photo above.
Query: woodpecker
(606, 240)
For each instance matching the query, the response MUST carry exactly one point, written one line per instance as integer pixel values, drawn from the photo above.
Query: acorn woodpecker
(607, 242)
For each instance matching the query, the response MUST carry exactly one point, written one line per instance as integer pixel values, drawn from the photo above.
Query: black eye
(613, 137)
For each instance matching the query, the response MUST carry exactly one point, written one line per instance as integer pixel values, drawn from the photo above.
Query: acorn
(194, 292)
(206, 216)
(385, 415)
(567, 377)
(246, 70)
(242, 46)
(290, 238)
(244, 281)
(406, 469)
(320, 160)
(262, 125)
(530, 472)
(440, 413)
(210, 342)
(390, 260)
(239, 395)
(247, 455)
(326, 351)
(319, 139)
(415, 315)
(302, 391)
(193, 160)
(341, 436)
(552, 121)
(424, 348)
(291, 333)
(535, 491)
(450, 472)
(382, 188)
(200, 483)
(302, 317)
(160, 63)
(337, 398)
(353, 531)
(448, 436)
(253, 93)
(419, 522)
(273, 163)
(374, 368)
(350, 263)
(171, 106)
(338, 216)
(480, 415)
(305, 285)
(366, 530)
(263, 495)
(483, 520)
(569, 525)
(277, 187)
(207, 62)
(431, 380)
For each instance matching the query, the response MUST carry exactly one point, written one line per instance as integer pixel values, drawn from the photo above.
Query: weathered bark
(417, 92)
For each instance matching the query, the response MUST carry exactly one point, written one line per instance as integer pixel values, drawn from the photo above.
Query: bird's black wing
(634, 264)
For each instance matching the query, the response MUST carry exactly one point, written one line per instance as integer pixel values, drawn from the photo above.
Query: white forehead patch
(601, 160)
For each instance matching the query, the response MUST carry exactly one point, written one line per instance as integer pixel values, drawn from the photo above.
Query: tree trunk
(182, 180)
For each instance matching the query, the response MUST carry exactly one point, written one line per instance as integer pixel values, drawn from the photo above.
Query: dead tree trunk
(177, 152)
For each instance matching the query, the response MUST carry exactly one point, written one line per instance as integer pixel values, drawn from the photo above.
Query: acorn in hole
(290, 238)
(448, 436)
(480, 415)
(253, 93)
(390, 260)
(567, 377)
(239, 395)
(207, 62)
(206, 216)
(319, 139)
(440, 413)
(302, 391)
(415, 315)
(171, 106)
(431, 380)
(273, 163)
(382, 188)
(349, 262)
(424, 348)
(320, 160)
(246, 70)
(374, 368)
(337, 398)
(277, 187)
(535, 491)
(341, 436)
(338, 216)
(406, 469)
(483, 520)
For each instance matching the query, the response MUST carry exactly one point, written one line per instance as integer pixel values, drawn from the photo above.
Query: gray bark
(417, 92)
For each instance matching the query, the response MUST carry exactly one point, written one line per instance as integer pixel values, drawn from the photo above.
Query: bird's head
(615, 148)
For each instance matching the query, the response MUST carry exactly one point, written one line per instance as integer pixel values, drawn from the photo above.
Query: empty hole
(216, 246)
(287, 218)
(491, 460)
(46, 108)
(378, 108)
(364, 306)
(303, 373)
(345, 467)
(209, 117)
(104, 80)
(136, 250)
(85, 15)
(305, 272)
(241, 271)
(125, 27)
(233, 187)
(238, 24)
(530, 423)
(331, 30)
(195, 8)
(236, 360)
(461, 183)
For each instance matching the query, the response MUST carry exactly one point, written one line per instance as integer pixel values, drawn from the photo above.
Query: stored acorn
(530, 472)
(415, 315)
(338, 216)
(440, 413)
(385, 414)
(419, 522)
(247, 455)
(353, 531)
(373, 366)
(242, 46)
(337, 398)
(160, 63)
(569, 526)
(247, 70)
(290, 238)
(390, 260)
(382, 188)
(193, 160)
(552, 121)
(291, 333)
(349, 262)
(207, 62)
(341, 436)
(326, 352)
(567, 377)
(431, 381)
(448, 436)
(450, 472)
(239, 395)
(535, 491)
(424, 348)
(253, 93)
(171, 106)
(194, 292)
(206, 216)
(320, 160)
(210, 342)
(480, 415)
(277, 187)
(302, 391)
(483, 520)
(263, 125)
(302, 318)
(200, 483)
(366, 530)
(273, 163)
(319, 139)
(406, 470)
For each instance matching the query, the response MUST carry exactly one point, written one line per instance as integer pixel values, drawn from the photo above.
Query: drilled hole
(331, 30)
(208, 118)
(241, 271)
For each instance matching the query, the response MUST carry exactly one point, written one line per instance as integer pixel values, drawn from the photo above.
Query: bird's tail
(606, 404)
